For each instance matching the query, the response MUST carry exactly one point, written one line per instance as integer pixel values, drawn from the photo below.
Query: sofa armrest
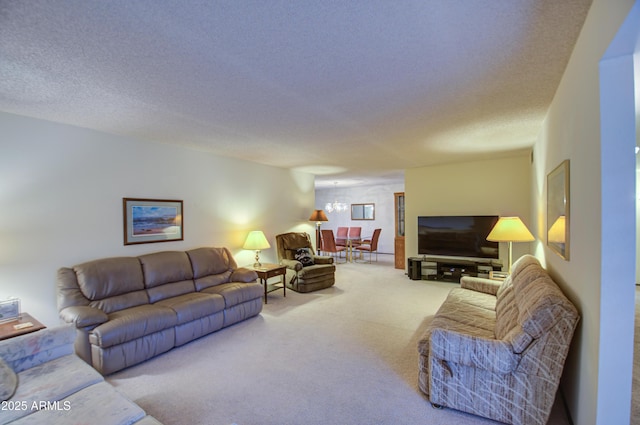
(322, 259)
(243, 275)
(469, 350)
(293, 264)
(32, 349)
(480, 284)
(83, 316)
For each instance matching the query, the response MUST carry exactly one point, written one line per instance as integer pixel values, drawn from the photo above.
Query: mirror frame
(363, 211)
(558, 210)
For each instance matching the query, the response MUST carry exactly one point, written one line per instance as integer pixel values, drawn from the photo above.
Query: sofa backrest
(211, 266)
(529, 303)
(289, 243)
(110, 284)
(117, 283)
(167, 274)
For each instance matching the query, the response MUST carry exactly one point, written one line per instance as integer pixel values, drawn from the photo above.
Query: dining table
(350, 242)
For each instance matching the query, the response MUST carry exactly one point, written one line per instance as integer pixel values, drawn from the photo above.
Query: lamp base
(257, 263)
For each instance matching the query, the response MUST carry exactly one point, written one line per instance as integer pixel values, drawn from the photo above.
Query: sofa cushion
(506, 312)
(120, 302)
(236, 293)
(211, 261)
(304, 256)
(51, 381)
(541, 304)
(129, 324)
(205, 282)
(459, 310)
(439, 322)
(317, 270)
(109, 277)
(170, 290)
(479, 299)
(8, 381)
(293, 241)
(167, 274)
(518, 339)
(189, 307)
(98, 404)
(164, 267)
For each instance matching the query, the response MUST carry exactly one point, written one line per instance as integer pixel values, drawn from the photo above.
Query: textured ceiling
(348, 90)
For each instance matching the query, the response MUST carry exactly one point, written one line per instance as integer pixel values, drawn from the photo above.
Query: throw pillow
(8, 381)
(304, 256)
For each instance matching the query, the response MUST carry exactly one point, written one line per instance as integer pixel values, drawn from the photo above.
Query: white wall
(598, 370)
(380, 195)
(61, 190)
(490, 187)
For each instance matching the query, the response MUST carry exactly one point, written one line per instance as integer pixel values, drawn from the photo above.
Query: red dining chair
(370, 246)
(341, 236)
(329, 244)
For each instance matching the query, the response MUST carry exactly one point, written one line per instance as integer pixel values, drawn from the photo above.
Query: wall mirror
(558, 210)
(363, 212)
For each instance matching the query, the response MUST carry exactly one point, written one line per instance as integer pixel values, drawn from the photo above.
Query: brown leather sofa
(129, 309)
(319, 275)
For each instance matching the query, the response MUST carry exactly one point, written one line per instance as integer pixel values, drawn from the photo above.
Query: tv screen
(457, 236)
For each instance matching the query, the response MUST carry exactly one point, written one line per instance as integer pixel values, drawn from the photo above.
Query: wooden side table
(267, 271)
(19, 326)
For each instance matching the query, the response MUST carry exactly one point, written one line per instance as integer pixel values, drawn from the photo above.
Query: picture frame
(9, 310)
(558, 210)
(152, 220)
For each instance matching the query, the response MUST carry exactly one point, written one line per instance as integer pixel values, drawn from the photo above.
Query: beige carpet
(344, 355)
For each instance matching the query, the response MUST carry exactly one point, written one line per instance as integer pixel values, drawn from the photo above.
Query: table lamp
(510, 229)
(318, 216)
(256, 241)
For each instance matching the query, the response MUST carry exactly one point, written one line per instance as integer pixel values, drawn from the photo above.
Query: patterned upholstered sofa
(498, 349)
(43, 382)
(129, 309)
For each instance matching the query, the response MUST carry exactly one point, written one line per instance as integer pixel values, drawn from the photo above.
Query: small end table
(20, 326)
(267, 271)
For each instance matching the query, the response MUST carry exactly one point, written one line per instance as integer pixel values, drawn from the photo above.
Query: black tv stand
(450, 269)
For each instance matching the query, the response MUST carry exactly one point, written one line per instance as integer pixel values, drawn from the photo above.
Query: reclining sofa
(129, 309)
(498, 349)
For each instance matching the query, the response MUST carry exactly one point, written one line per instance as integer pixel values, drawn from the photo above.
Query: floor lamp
(318, 216)
(510, 229)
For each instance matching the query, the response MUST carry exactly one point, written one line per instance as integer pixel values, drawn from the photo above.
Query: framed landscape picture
(152, 220)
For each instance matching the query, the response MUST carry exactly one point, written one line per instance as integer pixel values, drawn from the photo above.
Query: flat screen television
(457, 236)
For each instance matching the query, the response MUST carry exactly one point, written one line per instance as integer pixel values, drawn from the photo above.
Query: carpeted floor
(344, 355)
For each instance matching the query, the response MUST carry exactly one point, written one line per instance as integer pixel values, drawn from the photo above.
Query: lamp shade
(510, 229)
(256, 241)
(318, 215)
(557, 231)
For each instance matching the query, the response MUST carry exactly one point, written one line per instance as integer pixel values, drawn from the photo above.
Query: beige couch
(129, 309)
(498, 349)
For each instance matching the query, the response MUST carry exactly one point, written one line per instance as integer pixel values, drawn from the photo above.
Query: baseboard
(566, 407)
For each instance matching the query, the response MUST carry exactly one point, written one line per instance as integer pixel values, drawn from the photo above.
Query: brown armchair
(312, 277)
